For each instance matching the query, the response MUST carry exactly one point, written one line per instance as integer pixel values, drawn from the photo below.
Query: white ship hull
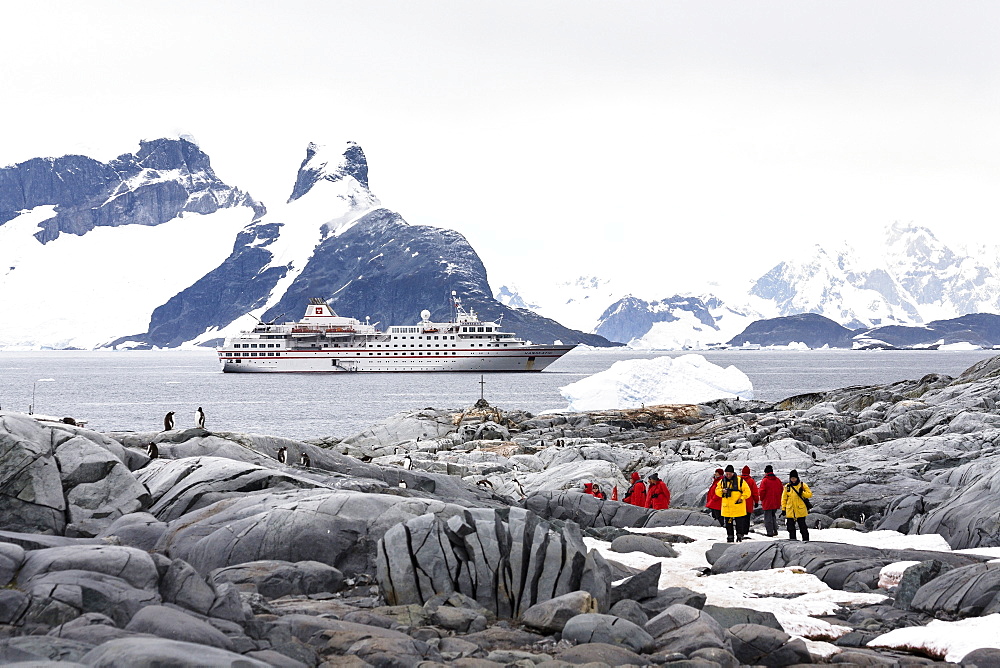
(528, 358)
(323, 342)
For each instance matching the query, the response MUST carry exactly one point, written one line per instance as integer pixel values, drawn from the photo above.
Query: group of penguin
(153, 452)
(199, 419)
(303, 457)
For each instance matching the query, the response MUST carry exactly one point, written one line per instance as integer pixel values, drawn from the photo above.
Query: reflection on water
(133, 390)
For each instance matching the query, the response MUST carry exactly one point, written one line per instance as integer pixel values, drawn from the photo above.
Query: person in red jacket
(713, 501)
(596, 491)
(743, 527)
(770, 489)
(657, 495)
(636, 494)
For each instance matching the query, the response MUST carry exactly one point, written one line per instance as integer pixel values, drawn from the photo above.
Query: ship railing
(322, 330)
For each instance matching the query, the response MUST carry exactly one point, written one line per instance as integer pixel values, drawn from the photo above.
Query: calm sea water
(119, 390)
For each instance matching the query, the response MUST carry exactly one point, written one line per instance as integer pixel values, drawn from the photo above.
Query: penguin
(407, 463)
(282, 454)
(484, 483)
(168, 421)
(402, 484)
(304, 460)
(520, 488)
(199, 418)
(152, 451)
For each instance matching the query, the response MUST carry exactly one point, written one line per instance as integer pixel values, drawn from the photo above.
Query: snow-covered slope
(577, 302)
(84, 261)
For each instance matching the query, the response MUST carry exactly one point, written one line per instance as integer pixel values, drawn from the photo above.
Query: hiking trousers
(771, 522)
(790, 525)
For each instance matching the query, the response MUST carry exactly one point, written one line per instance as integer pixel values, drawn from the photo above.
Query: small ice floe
(688, 379)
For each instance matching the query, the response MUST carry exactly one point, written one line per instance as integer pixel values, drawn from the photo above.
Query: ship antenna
(259, 321)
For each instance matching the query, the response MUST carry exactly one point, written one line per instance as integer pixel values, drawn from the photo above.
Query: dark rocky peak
(164, 178)
(53, 181)
(324, 164)
(812, 329)
(631, 317)
(169, 154)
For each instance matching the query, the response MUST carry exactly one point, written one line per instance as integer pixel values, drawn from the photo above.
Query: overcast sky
(662, 144)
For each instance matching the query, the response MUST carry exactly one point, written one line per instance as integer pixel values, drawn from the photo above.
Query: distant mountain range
(153, 250)
(910, 279)
(816, 331)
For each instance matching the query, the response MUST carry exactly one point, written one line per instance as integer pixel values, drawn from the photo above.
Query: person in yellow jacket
(793, 503)
(734, 492)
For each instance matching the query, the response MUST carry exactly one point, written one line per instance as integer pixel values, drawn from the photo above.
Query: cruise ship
(323, 341)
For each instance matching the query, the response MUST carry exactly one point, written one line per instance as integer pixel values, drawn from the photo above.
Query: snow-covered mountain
(152, 249)
(577, 302)
(911, 278)
(908, 278)
(675, 322)
(88, 249)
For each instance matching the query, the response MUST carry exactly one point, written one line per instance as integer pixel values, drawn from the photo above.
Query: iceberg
(688, 379)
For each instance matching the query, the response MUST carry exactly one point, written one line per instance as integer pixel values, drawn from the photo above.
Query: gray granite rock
(600, 653)
(598, 628)
(97, 485)
(184, 586)
(49, 648)
(644, 544)
(718, 656)
(275, 578)
(969, 591)
(94, 629)
(13, 605)
(337, 528)
(159, 652)
(506, 560)
(683, 629)
(672, 596)
(758, 645)
(837, 564)
(135, 567)
(981, 658)
(59, 596)
(915, 577)
(11, 558)
(639, 587)
(31, 497)
(140, 530)
(179, 486)
(729, 617)
(551, 616)
(174, 624)
(630, 610)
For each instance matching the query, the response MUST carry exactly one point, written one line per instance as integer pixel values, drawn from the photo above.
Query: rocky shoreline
(460, 537)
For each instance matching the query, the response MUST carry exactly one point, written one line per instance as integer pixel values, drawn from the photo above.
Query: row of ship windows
(436, 352)
(337, 345)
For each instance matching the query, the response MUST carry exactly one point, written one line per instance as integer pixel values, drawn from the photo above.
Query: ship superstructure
(323, 341)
